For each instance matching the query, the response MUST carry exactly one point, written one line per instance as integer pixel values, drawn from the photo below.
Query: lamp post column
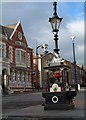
(75, 77)
(56, 43)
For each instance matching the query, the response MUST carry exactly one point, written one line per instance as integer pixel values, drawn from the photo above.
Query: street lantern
(37, 49)
(55, 23)
(44, 46)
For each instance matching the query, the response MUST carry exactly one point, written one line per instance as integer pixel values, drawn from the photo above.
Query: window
(26, 76)
(10, 53)
(28, 59)
(23, 57)
(17, 56)
(18, 76)
(20, 35)
(3, 51)
(18, 43)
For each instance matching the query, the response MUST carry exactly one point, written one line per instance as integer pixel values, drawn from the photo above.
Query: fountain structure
(57, 97)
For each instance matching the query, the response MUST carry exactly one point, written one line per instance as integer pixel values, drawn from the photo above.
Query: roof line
(15, 29)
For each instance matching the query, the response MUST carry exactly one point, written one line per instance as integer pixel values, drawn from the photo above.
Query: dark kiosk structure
(58, 95)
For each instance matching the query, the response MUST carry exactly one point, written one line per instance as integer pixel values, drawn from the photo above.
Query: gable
(6, 31)
(18, 34)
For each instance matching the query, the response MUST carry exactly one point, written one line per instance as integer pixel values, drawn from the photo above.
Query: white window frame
(18, 59)
(2, 54)
(23, 57)
(10, 53)
(29, 61)
(20, 62)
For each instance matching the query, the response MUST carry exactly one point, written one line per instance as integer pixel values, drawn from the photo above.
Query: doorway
(4, 81)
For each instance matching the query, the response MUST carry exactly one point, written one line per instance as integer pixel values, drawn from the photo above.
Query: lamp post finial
(54, 9)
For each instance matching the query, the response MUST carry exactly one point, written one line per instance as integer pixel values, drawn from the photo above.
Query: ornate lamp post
(55, 23)
(38, 62)
(37, 70)
(56, 98)
(75, 78)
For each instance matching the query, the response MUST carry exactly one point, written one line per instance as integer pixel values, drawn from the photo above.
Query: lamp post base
(59, 100)
(59, 106)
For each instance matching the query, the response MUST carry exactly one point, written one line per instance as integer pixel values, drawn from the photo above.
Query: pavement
(37, 112)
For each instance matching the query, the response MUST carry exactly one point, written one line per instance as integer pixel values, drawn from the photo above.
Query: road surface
(28, 110)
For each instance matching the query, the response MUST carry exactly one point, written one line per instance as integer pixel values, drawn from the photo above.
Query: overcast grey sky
(34, 18)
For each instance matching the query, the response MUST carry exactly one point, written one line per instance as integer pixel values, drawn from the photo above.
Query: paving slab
(39, 112)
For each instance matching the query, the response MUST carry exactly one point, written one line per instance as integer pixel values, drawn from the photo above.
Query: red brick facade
(19, 58)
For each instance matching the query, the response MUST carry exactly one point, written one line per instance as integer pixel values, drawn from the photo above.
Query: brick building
(41, 75)
(80, 73)
(16, 59)
(40, 61)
